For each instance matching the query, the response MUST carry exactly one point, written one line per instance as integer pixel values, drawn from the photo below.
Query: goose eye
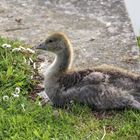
(50, 41)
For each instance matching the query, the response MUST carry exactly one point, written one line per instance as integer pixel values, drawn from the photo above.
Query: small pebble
(41, 57)
(108, 24)
(95, 59)
(92, 39)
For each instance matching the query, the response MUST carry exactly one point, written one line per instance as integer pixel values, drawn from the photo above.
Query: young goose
(101, 88)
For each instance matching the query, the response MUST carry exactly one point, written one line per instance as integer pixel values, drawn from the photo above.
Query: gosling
(102, 88)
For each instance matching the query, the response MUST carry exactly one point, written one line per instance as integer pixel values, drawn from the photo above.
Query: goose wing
(72, 79)
(99, 89)
(120, 77)
(108, 74)
(98, 96)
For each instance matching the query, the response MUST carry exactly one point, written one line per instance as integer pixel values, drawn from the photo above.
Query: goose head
(55, 43)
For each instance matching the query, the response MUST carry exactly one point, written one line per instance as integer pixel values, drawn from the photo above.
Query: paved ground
(100, 30)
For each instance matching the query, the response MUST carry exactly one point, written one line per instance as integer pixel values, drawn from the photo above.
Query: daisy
(17, 90)
(5, 98)
(15, 95)
(6, 46)
(16, 49)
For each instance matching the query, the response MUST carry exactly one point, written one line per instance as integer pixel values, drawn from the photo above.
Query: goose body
(101, 88)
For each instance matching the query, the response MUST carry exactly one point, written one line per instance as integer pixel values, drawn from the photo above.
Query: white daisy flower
(16, 49)
(6, 46)
(5, 98)
(15, 95)
(17, 90)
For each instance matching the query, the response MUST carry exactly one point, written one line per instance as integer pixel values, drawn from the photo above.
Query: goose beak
(41, 46)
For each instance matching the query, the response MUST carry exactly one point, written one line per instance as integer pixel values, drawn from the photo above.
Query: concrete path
(100, 30)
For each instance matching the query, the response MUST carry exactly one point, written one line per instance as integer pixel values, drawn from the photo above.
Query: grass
(138, 40)
(23, 119)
